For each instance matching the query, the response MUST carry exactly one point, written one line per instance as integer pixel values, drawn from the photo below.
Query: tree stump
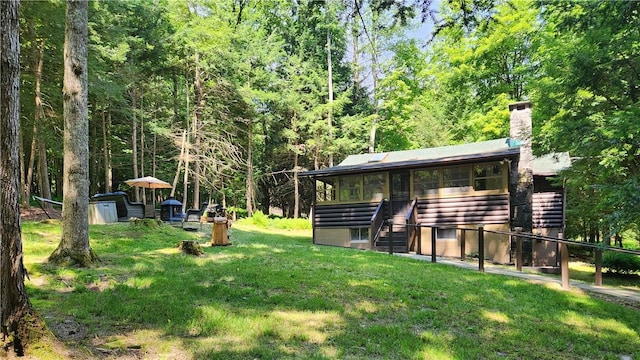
(190, 247)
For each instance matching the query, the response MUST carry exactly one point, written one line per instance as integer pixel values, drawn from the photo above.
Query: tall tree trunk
(26, 187)
(250, 183)
(330, 88)
(296, 187)
(134, 139)
(197, 120)
(185, 179)
(74, 247)
(180, 160)
(106, 146)
(142, 172)
(37, 48)
(14, 302)
(43, 170)
(355, 64)
(153, 167)
(185, 183)
(373, 45)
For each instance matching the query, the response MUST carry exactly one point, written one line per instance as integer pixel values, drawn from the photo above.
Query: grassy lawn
(273, 295)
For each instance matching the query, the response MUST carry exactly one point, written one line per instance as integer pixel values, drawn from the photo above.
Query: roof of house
(551, 164)
(486, 150)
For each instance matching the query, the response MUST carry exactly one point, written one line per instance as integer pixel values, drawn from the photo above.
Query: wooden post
(598, 279)
(419, 230)
(390, 222)
(518, 248)
(463, 252)
(481, 248)
(434, 233)
(564, 265)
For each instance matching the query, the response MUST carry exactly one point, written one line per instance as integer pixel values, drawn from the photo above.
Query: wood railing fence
(519, 236)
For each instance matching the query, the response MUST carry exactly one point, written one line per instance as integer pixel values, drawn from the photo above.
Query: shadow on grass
(274, 295)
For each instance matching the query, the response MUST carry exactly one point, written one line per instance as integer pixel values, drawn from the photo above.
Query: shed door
(400, 199)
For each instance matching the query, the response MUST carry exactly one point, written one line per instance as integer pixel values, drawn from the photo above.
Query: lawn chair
(194, 215)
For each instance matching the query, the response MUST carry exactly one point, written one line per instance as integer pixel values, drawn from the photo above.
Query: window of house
(326, 190)
(487, 176)
(350, 188)
(426, 182)
(455, 179)
(359, 234)
(446, 234)
(374, 186)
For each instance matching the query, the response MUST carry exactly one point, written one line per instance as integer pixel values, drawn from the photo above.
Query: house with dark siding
(375, 200)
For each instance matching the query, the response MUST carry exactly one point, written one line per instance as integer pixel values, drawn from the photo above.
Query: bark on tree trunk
(106, 146)
(43, 171)
(330, 87)
(14, 302)
(74, 247)
(197, 119)
(250, 180)
(175, 179)
(142, 172)
(134, 140)
(296, 185)
(185, 183)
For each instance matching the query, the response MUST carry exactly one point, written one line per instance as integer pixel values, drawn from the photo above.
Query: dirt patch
(37, 214)
(69, 330)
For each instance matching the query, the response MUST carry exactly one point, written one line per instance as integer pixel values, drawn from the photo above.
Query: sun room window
(455, 180)
(374, 186)
(350, 188)
(326, 189)
(487, 177)
(426, 182)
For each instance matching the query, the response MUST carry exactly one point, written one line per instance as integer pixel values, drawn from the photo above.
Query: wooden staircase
(399, 236)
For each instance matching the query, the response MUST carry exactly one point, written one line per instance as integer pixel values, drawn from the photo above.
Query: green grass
(274, 295)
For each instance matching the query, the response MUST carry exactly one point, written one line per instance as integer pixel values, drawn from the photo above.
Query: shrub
(260, 219)
(291, 224)
(621, 263)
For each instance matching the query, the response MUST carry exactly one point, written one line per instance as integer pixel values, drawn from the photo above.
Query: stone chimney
(521, 179)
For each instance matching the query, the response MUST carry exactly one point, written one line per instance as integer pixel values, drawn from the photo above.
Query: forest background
(231, 99)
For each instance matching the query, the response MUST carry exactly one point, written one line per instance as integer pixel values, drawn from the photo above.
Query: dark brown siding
(347, 215)
(547, 210)
(490, 209)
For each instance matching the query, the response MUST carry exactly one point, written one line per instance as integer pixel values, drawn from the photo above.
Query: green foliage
(621, 263)
(290, 224)
(477, 68)
(589, 95)
(240, 213)
(263, 90)
(259, 219)
(269, 222)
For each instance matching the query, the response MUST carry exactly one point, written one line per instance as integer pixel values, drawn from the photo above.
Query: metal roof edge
(371, 167)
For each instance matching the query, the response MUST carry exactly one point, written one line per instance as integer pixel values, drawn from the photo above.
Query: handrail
(377, 223)
(411, 219)
(562, 243)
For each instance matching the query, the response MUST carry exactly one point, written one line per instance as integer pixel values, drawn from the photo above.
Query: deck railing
(377, 223)
(411, 219)
(519, 236)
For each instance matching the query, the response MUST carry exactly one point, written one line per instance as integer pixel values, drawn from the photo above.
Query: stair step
(397, 249)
